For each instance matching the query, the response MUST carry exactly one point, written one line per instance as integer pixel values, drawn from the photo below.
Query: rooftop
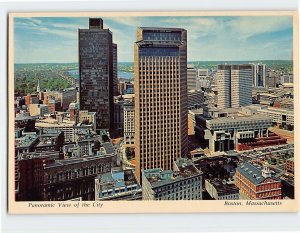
(65, 162)
(158, 177)
(252, 173)
(50, 122)
(233, 119)
(223, 187)
(26, 141)
(44, 154)
(117, 178)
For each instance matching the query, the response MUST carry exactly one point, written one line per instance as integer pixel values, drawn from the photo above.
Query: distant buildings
(97, 72)
(185, 183)
(31, 99)
(256, 183)
(221, 190)
(234, 84)
(129, 123)
(191, 78)
(38, 109)
(259, 75)
(202, 73)
(161, 111)
(117, 185)
(280, 116)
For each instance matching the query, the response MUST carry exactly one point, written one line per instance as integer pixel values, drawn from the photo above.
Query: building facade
(234, 85)
(129, 123)
(195, 99)
(45, 178)
(96, 72)
(256, 183)
(160, 85)
(191, 78)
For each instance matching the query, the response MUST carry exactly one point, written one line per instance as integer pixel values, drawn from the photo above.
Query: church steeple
(38, 90)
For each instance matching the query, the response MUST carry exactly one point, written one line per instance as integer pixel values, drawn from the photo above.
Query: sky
(210, 38)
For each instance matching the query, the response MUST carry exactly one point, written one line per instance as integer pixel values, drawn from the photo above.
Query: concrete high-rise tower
(234, 85)
(97, 58)
(160, 85)
(259, 75)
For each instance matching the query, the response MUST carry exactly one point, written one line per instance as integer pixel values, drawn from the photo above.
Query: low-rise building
(185, 183)
(221, 190)
(87, 117)
(61, 124)
(257, 183)
(46, 178)
(117, 185)
(289, 166)
(38, 109)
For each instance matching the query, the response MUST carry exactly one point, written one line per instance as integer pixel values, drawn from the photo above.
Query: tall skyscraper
(259, 75)
(160, 85)
(234, 85)
(97, 58)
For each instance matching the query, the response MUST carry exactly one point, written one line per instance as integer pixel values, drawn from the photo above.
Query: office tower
(96, 72)
(259, 75)
(115, 69)
(160, 84)
(191, 78)
(234, 85)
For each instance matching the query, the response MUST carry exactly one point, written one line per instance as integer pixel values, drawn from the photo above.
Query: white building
(202, 73)
(234, 85)
(129, 123)
(64, 125)
(85, 115)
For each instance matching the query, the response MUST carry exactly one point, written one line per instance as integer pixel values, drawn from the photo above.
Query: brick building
(257, 183)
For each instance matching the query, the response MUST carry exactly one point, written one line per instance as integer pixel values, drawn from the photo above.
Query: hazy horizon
(133, 62)
(210, 38)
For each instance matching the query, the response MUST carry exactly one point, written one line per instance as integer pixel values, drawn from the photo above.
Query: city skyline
(54, 39)
(173, 131)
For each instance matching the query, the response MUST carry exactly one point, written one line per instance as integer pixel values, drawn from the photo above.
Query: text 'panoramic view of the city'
(153, 108)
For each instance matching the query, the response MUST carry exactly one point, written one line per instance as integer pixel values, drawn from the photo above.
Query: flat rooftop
(50, 122)
(233, 119)
(222, 187)
(65, 162)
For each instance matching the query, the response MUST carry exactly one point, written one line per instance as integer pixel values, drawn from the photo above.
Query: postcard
(153, 112)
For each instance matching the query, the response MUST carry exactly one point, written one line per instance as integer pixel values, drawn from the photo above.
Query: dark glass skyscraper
(97, 58)
(160, 86)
